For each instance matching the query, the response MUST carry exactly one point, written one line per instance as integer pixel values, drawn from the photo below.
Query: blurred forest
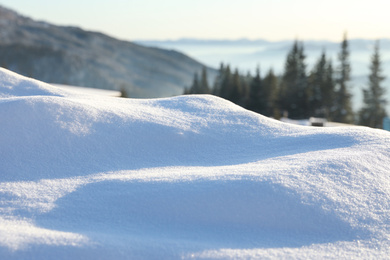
(299, 93)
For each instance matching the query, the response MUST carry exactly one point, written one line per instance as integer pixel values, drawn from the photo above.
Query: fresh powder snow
(94, 177)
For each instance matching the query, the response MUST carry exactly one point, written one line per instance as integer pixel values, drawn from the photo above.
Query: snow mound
(182, 177)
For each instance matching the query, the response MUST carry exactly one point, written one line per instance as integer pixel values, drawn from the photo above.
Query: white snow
(94, 177)
(90, 91)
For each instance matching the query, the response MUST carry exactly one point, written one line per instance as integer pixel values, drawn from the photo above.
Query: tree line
(297, 93)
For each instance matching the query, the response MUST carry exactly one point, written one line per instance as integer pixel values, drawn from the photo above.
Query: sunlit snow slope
(95, 177)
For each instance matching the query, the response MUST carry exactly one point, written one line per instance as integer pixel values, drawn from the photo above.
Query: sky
(216, 19)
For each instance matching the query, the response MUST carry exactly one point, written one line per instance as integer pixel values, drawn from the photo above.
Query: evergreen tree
(218, 81)
(235, 91)
(199, 87)
(226, 83)
(294, 83)
(321, 88)
(204, 84)
(329, 92)
(343, 109)
(374, 110)
(195, 87)
(245, 83)
(270, 86)
(255, 88)
(315, 85)
(230, 86)
(263, 94)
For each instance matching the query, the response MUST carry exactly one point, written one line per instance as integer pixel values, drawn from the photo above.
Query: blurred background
(297, 59)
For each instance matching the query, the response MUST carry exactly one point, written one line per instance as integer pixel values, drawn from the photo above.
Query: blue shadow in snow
(233, 214)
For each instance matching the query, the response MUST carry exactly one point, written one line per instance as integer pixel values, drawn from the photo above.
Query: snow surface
(90, 91)
(93, 177)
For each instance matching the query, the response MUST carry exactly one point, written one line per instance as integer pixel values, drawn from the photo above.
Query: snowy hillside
(93, 177)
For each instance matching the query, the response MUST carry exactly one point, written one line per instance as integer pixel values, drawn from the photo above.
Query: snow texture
(85, 176)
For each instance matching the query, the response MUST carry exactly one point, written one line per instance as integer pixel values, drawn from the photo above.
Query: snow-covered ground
(91, 91)
(94, 177)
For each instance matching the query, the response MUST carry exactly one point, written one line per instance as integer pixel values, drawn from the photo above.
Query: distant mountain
(247, 54)
(70, 55)
(194, 41)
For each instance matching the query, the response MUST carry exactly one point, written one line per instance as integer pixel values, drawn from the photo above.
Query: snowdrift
(85, 176)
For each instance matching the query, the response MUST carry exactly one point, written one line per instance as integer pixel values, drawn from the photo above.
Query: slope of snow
(84, 176)
(90, 91)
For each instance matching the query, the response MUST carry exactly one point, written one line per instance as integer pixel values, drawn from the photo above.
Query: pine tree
(255, 88)
(294, 83)
(270, 86)
(315, 86)
(321, 88)
(235, 92)
(226, 83)
(343, 109)
(245, 82)
(199, 87)
(204, 84)
(195, 87)
(329, 92)
(374, 110)
(218, 81)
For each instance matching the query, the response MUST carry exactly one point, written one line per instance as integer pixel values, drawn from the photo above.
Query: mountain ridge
(73, 56)
(189, 40)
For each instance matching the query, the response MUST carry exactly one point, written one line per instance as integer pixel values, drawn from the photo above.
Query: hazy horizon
(183, 39)
(217, 19)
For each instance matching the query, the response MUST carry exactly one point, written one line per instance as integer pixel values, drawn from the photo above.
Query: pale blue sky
(216, 19)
